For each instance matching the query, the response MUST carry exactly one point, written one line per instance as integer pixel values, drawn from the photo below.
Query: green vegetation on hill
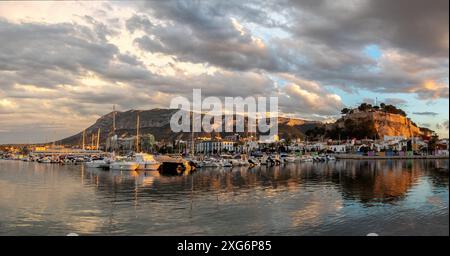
(365, 107)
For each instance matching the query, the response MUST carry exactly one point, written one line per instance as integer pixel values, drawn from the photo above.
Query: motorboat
(226, 161)
(288, 158)
(306, 158)
(211, 162)
(239, 160)
(100, 163)
(45, 160)
(330, 158)
(124, 165)
(252, 162)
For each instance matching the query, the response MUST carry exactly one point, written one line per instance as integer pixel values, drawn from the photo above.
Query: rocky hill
(375, 123)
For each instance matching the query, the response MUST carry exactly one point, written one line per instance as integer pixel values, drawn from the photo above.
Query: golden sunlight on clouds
(238, 26)
(430, 85)
(258, 42)
(44, 11)
(7, 106)
(431, 88)
(92, 80)
(304, 94)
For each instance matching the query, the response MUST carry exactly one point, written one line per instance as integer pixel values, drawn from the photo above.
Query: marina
(199, 118)
(346, 197)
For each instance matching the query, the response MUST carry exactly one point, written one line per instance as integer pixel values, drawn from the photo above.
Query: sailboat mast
(84, 137)
(192, 144)
(114, 118)
(137, 133)
(98, 139)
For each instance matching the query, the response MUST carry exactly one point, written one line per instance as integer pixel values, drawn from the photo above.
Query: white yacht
(306, 158)
(124, 165)
(211, 162)
(331, 158)
(102, 163)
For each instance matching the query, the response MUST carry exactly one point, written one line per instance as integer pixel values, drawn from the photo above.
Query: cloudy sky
(64, 64)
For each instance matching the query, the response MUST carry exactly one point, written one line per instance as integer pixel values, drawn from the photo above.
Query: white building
(210, 147)
(393, 138)
(338, 148)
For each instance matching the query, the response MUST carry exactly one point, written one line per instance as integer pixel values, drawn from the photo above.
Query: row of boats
(144, 161)
(148, 162)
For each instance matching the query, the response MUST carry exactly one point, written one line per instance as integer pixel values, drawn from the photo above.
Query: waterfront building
(338, 148)
(214, 146)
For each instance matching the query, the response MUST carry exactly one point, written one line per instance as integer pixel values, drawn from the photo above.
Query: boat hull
(172, 168)
(125, 166)
(148, 166)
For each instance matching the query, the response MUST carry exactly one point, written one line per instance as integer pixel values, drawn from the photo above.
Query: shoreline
(359, 157)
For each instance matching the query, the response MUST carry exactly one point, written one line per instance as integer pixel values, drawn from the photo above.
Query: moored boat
(124, 165)
(175, 165)
(104, 164)
(146, 162)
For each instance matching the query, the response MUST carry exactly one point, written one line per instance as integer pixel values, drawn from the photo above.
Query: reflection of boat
(175, 165)
(124, 165)
(146, 162)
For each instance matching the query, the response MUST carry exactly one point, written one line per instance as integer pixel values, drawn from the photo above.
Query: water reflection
(343, 197)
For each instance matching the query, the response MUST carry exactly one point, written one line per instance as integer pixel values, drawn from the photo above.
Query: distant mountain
(365, 121)
(157, 123)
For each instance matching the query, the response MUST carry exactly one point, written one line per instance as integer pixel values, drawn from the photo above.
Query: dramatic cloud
(64, 64)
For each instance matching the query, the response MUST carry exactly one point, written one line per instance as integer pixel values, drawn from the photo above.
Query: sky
(65, 64)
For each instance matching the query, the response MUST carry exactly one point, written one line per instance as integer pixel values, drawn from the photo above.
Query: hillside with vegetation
(374, 122)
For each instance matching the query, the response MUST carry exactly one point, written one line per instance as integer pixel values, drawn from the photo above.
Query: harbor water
(346, 197)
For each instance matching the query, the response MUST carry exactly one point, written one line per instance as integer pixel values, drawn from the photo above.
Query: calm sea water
(342, 198)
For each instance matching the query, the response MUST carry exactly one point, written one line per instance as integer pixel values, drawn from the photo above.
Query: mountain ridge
(364, 122)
